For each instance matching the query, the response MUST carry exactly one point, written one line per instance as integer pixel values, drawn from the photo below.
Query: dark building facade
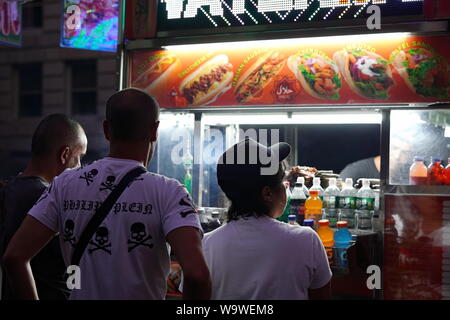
(41, 78)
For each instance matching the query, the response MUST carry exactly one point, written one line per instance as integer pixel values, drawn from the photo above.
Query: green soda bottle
(187, 163)
(188, 181)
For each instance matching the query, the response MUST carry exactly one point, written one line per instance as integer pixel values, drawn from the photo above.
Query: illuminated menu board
(89, 24)
(176, 15)
(10, 22)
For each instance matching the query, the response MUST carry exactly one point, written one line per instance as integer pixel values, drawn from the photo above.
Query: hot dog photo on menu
(158, 73)
(207, 82)
(425, 72)
(318, 74)
(258, 76)
(367, 73)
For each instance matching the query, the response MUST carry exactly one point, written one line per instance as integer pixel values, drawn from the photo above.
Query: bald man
(128, 257)
(58, 143)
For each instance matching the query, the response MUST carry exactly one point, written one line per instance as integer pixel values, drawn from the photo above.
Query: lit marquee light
(275, 11)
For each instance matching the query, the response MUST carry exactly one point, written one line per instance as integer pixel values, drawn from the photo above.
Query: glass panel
(419, 133)
(174, 147)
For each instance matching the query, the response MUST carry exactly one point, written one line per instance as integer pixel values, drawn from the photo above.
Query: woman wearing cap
(254, 256)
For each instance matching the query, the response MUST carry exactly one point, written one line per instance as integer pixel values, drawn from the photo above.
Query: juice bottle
(313, 207)
(418, 172)
(326, 235)
(342, 240)
(447, 172)
(435, 172)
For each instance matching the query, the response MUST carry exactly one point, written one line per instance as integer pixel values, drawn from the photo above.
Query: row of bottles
(332, 203)
(339, 240)
(434, 174)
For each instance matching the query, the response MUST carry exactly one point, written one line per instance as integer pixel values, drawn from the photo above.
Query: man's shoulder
(161, 180)
(24, 185)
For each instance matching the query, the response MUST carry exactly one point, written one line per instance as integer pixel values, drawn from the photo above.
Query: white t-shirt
(264, 259)
(128, 257)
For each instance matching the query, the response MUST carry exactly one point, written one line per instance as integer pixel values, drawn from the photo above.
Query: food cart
(223, 70)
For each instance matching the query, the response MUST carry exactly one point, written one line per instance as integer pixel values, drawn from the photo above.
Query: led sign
(206, 14)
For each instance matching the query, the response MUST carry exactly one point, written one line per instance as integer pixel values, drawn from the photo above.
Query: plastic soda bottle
(298, 199)
(187, 163)
(326, 235)
(317, 187)
(435, 172)
(329, 202)
(418, 172)
(342, 240)
(347, 203)
(313, 207)
(292, 220)
(287, 209)
(365, 205)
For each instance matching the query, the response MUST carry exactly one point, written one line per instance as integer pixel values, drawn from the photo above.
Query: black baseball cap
(248, 161)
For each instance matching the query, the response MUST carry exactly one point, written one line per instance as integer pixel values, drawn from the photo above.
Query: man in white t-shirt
(128, 257)
(254, 256)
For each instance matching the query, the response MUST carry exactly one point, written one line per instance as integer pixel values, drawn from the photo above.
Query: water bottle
(317, 187)
(365, 205)
(329, 202)
(342, 241)
(347, 203)
(305, 189)
(298, 199)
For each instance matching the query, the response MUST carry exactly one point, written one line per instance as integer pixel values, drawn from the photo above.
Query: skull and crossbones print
(68, 236)
(100, 241)
(186, 202)
(89, 176)
(139, 237)
(108, 184)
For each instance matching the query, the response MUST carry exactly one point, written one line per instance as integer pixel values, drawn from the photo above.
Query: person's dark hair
(53, 132)
(248, 201)
(131, 113)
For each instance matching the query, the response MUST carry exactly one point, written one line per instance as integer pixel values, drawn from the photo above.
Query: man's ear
(106, 130)
(64, 155)
(154, 132)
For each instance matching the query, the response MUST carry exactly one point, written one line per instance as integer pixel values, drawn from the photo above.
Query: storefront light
(290, 41)
(296, 118)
